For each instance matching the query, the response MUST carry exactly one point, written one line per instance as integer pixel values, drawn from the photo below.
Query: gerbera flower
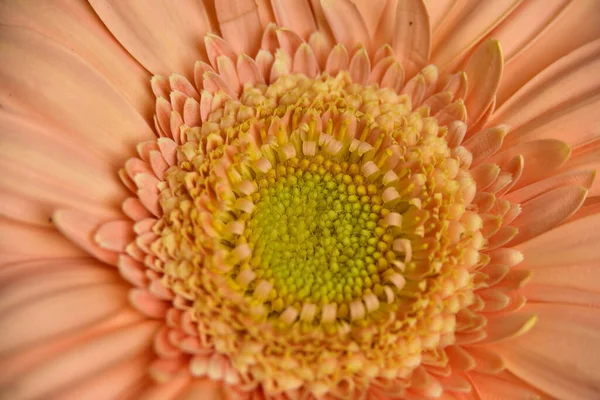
(300, 199)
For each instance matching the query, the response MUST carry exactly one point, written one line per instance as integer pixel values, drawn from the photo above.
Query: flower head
(341, 200)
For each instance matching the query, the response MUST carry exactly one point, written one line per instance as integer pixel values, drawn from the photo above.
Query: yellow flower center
(318, 228)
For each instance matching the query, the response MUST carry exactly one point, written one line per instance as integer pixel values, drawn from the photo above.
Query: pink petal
(248, 71)
(508, 326)
(205, 388)
(484, 70)
(240, 25)
(295, 15)
(163, 38)
(560, 353)
(168, 390)
(547, 211)
(412, 38)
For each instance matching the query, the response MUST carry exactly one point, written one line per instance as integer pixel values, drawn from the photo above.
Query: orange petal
(484, 70)
(547, 211)
(163, 38)
(240, 25)
(202, 388)
(559, 353)
(412, 38)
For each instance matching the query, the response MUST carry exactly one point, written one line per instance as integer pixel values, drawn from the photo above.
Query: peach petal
(148, 304)
(346, 23)
(248, 71)
(484, 70)
(24, 282)
(132, 271)
(289, 41)
(204, 388)
(542, 158)
(464, 26)
(161, 86)
(484, 175)
(379, 69)
(530, 19)
(79, 227)
(320, 46)
(240, 25)
(547, 211)
(159, 50)
(506, 256)
(454, 112)
(305, 61)
(25, 324)
(504, 235)
(508, 326)
(295, 15)
(553, 90)
(559, 353)
(166, 390)
(576, 178)
(485, 143)
(550, 45)
(561, 295)
(79, 29)
(490, 386)
(360, 66)
(180, 84)
(412, 38)
(337, 60)
(115, 235)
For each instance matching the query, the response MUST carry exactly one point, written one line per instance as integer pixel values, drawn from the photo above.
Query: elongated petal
(164, 38)
(571, 80)
(484, 70)
(240, 25)
(559, 353)
(295, 15)
(547, 211)
(412, 39)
